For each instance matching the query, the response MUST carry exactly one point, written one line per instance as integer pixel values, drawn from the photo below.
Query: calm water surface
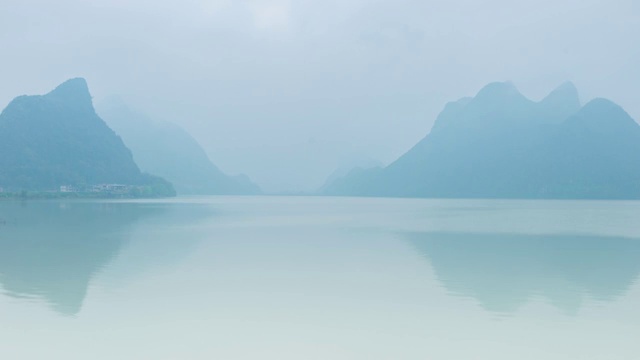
(319, 278)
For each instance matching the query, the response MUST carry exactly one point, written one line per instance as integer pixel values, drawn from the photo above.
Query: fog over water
(288, 91)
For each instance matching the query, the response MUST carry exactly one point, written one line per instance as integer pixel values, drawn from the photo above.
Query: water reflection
(504, 271)
(51, 250)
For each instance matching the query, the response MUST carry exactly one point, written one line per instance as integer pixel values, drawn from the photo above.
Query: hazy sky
(286, 91)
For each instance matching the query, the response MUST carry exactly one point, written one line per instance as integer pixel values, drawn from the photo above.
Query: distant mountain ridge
(57, 139)
(166, 149)
(499, 144)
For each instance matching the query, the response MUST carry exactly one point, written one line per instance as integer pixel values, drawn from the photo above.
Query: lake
(319, 278)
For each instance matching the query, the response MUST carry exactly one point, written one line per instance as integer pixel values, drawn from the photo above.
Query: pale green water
(320, 278)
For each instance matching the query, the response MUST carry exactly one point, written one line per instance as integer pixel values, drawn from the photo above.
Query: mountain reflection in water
(51, 250)
(503, 271)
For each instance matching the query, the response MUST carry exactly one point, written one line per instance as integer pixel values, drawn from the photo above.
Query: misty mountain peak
(568, 87)
(561, 103)
(605, 114)
(164, 148)
(498, 98)
(73, 91)
(566, 93)
(58, 139)
(498, 90)
(603, 106)
(502, 145)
